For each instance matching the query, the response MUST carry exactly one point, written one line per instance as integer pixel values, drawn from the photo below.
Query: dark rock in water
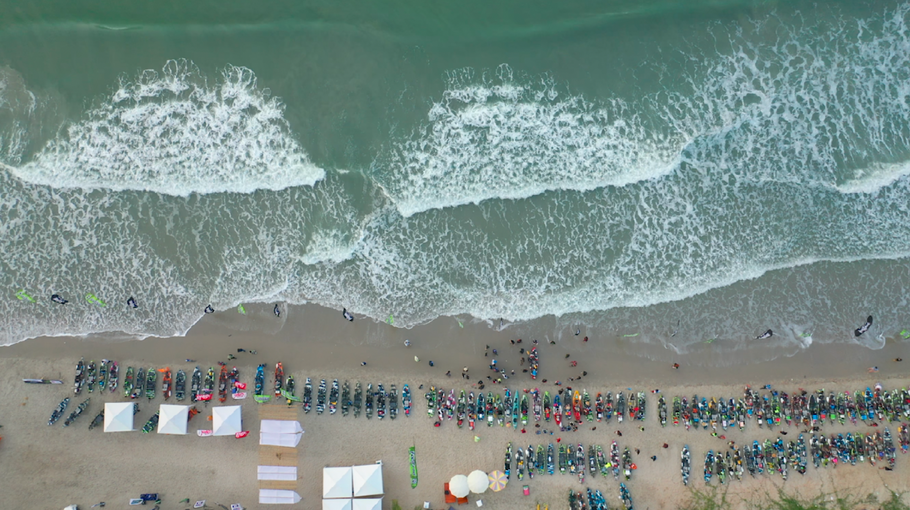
(209, 309)
(865, 327)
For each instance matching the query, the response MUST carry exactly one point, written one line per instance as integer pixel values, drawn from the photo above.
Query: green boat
(524, 409)
(128, 382)
(151, 378)
(412, 458)
(152, 423)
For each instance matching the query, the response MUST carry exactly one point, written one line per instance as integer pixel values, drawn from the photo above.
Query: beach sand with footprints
(64, 465)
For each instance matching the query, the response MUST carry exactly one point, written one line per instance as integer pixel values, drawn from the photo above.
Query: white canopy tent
(226, 420)
(336, 482)
(367, 480)
(336, 504)
(280, 433)
(172, 419)
(278, 497)
(367, 504)
(287, 473)
(118, 416)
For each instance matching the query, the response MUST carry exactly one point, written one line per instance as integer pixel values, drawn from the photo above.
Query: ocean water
(678, 175)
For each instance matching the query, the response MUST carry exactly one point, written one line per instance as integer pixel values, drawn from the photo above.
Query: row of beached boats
(596, 500)
(144, 382)
(521, 407)
(568, 459)
(809, 409)
(99, 418)
(782, 457)
(368, 401)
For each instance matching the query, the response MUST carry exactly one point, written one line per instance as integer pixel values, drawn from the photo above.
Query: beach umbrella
(458, 486)
(478, 482)
(497, 481)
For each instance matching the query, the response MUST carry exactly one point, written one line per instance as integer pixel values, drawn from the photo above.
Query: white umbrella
(478, 482)
(458, 486)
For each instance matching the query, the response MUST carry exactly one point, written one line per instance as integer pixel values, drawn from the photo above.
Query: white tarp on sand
(278, 497)
(336, 482)
(118, 416)
(226, 420)
(280, 433)
(336, 504)
(173, 419)
(278, 473)
(367, 504)
(367, 480)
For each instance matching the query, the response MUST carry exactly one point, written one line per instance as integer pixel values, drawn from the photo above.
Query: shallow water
(633, 168)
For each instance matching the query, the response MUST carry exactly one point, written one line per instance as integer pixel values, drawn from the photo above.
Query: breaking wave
(176, 132)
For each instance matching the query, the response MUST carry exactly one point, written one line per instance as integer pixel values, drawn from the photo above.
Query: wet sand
(74, 465)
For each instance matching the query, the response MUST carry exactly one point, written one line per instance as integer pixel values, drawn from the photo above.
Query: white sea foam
(875, 178)
(176, 132)
(816, 106)
(501, 137)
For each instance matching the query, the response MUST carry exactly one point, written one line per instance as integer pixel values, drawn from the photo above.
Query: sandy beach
(60, 466)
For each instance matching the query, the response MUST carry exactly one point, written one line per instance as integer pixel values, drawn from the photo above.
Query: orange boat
(222, 384)
(576, 405)
(166, 382)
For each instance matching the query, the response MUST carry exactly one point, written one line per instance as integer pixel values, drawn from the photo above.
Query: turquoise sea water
(710, 169)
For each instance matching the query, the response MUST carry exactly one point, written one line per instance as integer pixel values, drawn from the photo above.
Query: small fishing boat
(75, 414)
(80, 376)
(151, 377)
(222, 383)
(139, 385)
(345, 398)
(90, 376)
(113, 377)
(180, 385)
(279, 378)
(406, 399)
(333, 396)
(102, 375)
(55, 416)
(166, 383)
(320, 398)
(393, 402)
(369, 399)
(152, 423)
(98, 420)
(307, 395)
(195, 384)
(358, 399)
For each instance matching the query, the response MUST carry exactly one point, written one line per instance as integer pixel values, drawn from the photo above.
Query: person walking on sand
(347, 315)
(873, 369)
(363, 363)
(676, 366)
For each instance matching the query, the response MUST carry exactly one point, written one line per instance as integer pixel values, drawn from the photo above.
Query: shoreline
(319, 343)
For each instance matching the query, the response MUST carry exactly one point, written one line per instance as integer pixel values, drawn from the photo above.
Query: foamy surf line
(176, 132)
